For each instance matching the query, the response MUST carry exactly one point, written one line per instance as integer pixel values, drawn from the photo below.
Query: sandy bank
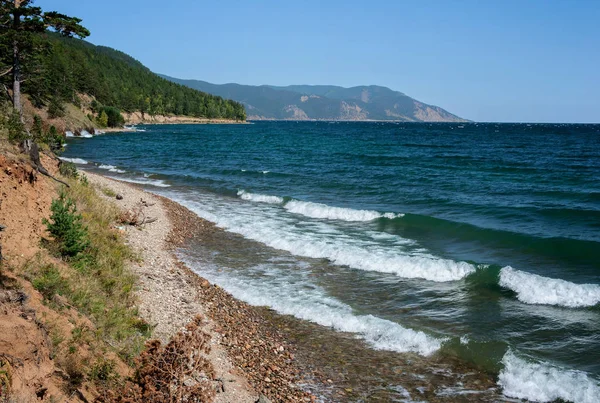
(136, 118)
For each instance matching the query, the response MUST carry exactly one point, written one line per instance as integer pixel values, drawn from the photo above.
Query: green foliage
(113, 116)
(37, 131)
(113, 78)
(102, 119)
(56, 108)
(69, 232)
(54, 139)
(49, 282)
(68, 169)
(16, 129)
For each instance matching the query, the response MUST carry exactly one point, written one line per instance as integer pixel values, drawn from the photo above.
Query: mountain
(324, 102)
(73, 69)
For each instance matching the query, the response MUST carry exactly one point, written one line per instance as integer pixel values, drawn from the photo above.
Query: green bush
(56, 108)
(114, 117)
(54, 139)
(16, 128)
(68, 169)
(49, 282)
(66, 227)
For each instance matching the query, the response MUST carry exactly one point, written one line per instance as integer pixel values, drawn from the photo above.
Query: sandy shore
(251, 360)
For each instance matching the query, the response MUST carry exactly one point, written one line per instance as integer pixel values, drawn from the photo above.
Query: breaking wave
(543, 382)
(536, 289)
(74, 160)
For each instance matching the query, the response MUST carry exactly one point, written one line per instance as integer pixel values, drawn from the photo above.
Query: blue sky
(515, 61)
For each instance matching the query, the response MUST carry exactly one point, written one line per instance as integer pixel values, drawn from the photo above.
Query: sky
(492, 61)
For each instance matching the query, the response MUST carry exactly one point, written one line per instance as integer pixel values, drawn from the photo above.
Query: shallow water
(476, 241)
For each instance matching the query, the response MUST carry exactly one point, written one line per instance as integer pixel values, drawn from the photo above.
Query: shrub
(54, 139)
(68, 169)
(37, 131)
(66, 227)
(16, 128)
(49, 282)
(56, 109)
(102, 119)
(114, 117)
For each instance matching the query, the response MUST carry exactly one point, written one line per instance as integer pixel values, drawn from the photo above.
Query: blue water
(477, 240)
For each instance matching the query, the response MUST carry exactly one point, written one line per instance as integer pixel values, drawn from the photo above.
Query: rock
(119, 196)
(263, 399)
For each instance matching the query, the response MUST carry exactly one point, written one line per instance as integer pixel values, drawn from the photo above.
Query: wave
(542, 382)
(111, 168)
(536, 289)
(74, 160)
(318, 210)
(259, 197)
(281, 233)
(69, 133)
(143, 181)
(307, 302)
(86, 135)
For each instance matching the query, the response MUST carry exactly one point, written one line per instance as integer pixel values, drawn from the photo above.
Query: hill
(324, 102)
(72, 67)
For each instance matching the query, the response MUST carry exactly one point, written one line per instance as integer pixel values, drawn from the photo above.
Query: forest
(68, 66)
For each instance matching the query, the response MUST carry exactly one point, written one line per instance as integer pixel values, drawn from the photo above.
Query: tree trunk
(17, 79)
(17, 60)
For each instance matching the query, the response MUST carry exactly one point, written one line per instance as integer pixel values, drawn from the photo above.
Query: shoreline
(171, 295)
(336, 366)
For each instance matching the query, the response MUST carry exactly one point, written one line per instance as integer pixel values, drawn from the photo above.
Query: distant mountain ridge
(324, 102)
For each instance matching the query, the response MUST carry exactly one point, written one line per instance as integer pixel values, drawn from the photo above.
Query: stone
(119, 196)
(263, 399)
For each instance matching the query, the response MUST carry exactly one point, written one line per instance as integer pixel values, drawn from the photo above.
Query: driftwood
(34, 154)
(136, 216)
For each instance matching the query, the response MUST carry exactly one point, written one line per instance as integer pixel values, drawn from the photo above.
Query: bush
(16, 128)
(68, 169)
(66, 227)
(56, 109)
(37, 131)
(102, 119)
(54, 139)
(50, 282)
(114, 117)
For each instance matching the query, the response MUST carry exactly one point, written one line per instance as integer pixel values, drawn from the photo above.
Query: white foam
(535, 289)
(69, 133)
(143, 181)
(542, 382)
(74, 160)
(259, 197)
(318, 210)
(291, 296)
(262, 224)
(85, 134)
(111, 168)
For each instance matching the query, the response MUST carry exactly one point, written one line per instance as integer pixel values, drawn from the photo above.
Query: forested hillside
(72, 66)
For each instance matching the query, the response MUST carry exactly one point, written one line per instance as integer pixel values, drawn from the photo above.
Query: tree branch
(10, 98)
(6, 72)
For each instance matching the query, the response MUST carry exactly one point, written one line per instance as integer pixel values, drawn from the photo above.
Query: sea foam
(323, 211)
(111, 168)
(282, 233)
(318, 210)
(310, 302)
(543, 382)
(257, 197)
(535, 289)
(143, 181)
(74, 160)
